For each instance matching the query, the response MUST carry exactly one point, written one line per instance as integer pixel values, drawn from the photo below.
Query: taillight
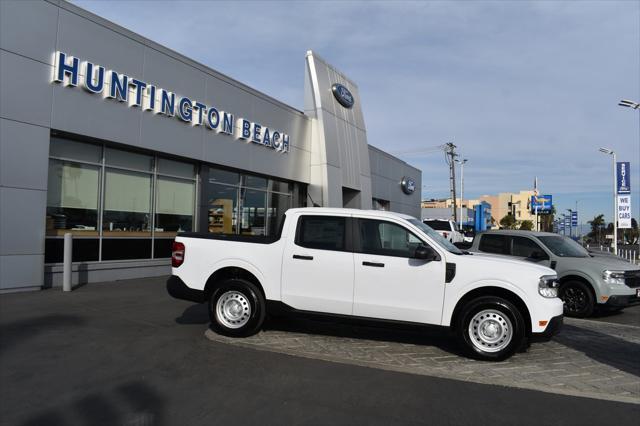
(177, 254)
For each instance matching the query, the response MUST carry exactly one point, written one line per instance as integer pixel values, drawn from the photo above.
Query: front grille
(632, 278)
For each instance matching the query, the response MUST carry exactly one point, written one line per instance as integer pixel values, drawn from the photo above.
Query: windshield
(564, 246)
(438, 225)
(435, 236)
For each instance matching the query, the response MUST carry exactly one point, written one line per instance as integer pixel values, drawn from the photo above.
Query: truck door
(389, 282)
(317, 268)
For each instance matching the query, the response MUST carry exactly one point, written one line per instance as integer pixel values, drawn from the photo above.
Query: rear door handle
(301, 257)
(375, 264)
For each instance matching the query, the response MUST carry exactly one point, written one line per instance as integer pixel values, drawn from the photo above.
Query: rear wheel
(578, 299)
(237, 308)
(491, 328)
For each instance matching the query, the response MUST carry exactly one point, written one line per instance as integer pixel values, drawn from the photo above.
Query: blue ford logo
(342, 95)
(408, 185)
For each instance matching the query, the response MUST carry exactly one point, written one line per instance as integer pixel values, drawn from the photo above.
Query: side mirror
(426, 253)
(539, 255)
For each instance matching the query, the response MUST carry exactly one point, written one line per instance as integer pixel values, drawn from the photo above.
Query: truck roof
(335, 210)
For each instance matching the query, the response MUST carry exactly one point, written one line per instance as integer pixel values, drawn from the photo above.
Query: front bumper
(554, 326)
(622, 301)
(178, 289)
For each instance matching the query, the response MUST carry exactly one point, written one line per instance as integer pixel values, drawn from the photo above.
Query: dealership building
(123, 143)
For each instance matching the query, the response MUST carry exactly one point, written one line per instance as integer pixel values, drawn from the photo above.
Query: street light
(461, 162)
(615, 200)
(629, 104)
(633, 105)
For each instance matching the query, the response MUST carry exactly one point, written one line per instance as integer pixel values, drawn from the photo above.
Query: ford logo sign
(408, 185)
(343, 95)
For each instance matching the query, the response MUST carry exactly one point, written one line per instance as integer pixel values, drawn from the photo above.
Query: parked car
(587, 281)
(447, 228)
(371, 265)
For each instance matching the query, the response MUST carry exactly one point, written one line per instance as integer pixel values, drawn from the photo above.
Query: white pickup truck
(369, 265)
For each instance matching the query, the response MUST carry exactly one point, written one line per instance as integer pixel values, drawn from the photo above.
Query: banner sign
(542, 203)
(624, 211)
(623, 177)
(574, 218)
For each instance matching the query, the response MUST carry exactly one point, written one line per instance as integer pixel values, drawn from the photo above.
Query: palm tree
(597, 223)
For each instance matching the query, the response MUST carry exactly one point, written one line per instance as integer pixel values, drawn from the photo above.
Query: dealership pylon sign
(623, 190)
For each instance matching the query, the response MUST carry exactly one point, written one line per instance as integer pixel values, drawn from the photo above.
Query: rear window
(491, 243)
(322, 232)
(438, 225)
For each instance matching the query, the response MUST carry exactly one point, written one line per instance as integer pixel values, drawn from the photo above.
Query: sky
(524, 89)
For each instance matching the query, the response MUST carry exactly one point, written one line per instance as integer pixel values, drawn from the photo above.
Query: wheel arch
(497, 292)
(575, 277)
(230, 272)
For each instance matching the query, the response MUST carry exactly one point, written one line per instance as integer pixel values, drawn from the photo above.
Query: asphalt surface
(126, 354)
(627, 316)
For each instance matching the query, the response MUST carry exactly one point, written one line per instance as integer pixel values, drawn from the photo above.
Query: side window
(492, 243)
(321, 232)
(386, 239)
(524, 247)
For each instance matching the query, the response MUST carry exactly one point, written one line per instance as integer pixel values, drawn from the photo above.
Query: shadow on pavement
(194, 314)
(16, 332)
(603, 348)
(414, 335)
(133, 403)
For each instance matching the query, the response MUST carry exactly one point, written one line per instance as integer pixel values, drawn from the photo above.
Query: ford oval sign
(342, 95)
(408, 185)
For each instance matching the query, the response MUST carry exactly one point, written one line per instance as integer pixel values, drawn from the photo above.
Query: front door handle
(301, 257)
(374, 264)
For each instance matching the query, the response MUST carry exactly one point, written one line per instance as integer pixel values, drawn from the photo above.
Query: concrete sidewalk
(125, 353)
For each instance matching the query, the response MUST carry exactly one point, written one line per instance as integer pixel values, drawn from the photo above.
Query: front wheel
(237, 308)
(578, 299)
(491, 328)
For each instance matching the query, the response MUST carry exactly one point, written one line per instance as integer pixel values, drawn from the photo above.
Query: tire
(237, 308)
(491, 329)
(578, 299)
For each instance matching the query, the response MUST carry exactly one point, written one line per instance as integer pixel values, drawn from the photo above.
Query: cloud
(523, 88)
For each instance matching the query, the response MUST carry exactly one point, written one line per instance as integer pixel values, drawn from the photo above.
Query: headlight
(548, 286)
(613, 277)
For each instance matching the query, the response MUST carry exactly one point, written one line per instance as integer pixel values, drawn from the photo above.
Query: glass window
(492, 243)
(253, 213)
(127, 204)
(126, 248)
(174, 205)
(83, 249)
(443, 242)
(322, 232)
(278, 205)
(176, 168)
(524, 247)
(564, 246)
(128, 160)
(279, 186)
(80, 151)
(379, 204)
(439, 225)
(72, 198)
(223, 176)
(255, 182)
(386, 239)
(222, 205)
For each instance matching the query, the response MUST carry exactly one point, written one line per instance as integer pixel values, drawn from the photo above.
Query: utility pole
(450, 156)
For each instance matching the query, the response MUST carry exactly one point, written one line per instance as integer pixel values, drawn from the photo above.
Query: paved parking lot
(125, 353)
(587, 358)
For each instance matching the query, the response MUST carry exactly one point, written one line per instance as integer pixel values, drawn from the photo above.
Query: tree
(508, 222)
(526, 225)
(597, 223)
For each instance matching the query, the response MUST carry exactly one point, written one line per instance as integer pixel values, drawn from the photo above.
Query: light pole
(570, 222)
(615, 199)
(461, 162)
(633, 105)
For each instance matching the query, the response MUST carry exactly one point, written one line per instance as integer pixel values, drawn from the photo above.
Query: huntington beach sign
(98, 80)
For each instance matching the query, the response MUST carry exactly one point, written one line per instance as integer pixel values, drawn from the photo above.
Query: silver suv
(586, 281)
